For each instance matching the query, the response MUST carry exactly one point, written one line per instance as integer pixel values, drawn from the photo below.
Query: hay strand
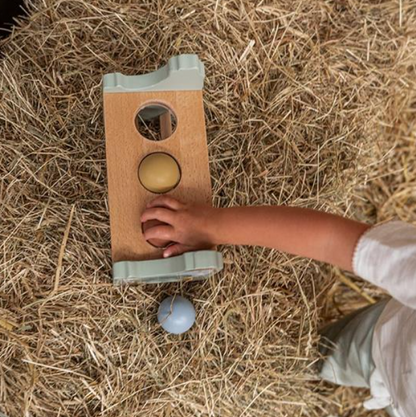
(62, 251)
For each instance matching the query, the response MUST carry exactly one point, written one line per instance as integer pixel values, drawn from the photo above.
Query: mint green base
(190, 266)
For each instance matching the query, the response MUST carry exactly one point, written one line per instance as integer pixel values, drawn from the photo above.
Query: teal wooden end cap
(189, 266)
(182, 72)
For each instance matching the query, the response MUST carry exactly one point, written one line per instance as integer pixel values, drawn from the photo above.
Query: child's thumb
(174, 250)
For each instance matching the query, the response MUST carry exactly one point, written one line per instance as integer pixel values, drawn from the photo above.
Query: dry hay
(303, 99)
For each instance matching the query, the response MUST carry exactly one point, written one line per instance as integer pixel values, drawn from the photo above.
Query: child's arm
(313, 234)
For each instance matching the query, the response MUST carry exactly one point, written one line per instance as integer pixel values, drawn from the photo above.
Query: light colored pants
(347, 344)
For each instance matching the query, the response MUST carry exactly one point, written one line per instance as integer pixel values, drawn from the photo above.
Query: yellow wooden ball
(159, 172)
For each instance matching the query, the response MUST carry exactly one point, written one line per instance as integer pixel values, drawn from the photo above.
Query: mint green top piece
(182, 72)
(189, 266)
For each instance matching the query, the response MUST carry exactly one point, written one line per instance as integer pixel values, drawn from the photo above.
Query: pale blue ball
(176, 314)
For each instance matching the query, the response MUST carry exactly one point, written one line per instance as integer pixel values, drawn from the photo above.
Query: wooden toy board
(125, 148)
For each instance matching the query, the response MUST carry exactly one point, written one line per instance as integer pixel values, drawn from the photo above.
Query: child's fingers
(165, 201)
(160, 232)
(174, 250)
(158, 213)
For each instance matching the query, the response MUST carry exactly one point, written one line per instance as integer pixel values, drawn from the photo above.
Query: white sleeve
(386, 256)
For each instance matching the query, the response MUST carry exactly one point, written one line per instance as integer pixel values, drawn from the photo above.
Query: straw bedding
(309, 103)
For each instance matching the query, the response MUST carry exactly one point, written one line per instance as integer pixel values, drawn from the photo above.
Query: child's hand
(188, 227)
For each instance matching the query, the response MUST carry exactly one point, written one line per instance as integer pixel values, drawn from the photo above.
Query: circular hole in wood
(159, 172)
(157, 243)
(156, 122)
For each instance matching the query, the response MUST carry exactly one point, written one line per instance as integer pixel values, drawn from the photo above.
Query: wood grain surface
(125, 148)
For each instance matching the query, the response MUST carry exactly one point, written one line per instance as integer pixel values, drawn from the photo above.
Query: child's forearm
(301, 232)
(313, 234)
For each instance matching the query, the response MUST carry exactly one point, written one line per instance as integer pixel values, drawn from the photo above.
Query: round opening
(159, 173)
(156, 243)
(156, 122)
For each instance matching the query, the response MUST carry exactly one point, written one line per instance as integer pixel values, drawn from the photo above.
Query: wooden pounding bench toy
(155, 144)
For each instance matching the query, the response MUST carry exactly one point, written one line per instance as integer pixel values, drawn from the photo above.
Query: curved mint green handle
(182, 72)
